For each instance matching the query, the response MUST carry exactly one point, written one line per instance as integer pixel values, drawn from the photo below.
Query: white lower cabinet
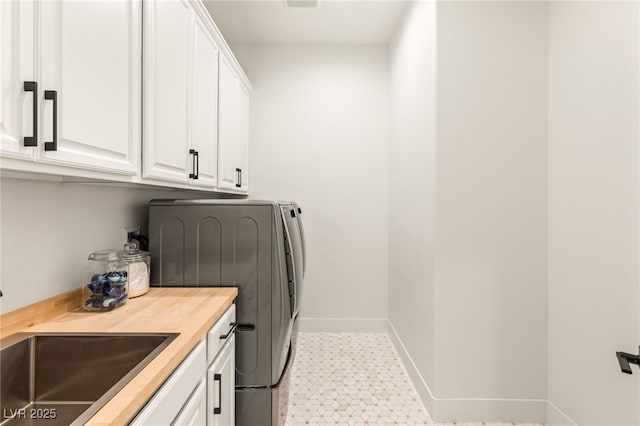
(194, 411)
(174, 394)
(221, 391)
(201, 391)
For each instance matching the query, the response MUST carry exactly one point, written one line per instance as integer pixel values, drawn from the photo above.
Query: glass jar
(107, 284)
(139, 263)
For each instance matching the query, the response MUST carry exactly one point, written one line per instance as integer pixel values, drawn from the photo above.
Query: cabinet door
(169, 401)
(243, 140)
(205, 104)
(194, 412)
(221, 387)
(90, 57)
(17, 49)
(168, 32)
(229, 126)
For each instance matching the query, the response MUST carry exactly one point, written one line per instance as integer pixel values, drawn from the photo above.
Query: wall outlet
(130, 230)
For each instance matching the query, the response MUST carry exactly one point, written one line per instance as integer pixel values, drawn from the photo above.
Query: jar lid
(101, 255)
(132, 254)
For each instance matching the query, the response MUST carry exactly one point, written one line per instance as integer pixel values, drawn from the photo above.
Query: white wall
(412, 171)
(593, 211)
(49, 228)
(482, 314)
(319, 132)
(491, 272)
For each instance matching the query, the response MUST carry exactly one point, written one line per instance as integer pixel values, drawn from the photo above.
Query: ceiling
(333, 22)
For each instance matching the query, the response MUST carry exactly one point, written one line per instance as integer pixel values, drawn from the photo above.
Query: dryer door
(302, 238)
(293, 249)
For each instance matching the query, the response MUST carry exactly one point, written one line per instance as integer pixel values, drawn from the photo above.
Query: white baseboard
(557, 417)
(491, 410)
(469, 409)
(342, 325)
(418, 381)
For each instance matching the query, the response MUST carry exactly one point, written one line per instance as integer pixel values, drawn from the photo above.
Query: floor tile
(354, 379)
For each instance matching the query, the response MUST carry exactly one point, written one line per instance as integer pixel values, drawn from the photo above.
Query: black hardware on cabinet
(299, 210)
(293, 213)
(624, 359)
(239, 178)
(230, 332)
(195, 164)
(218, 378)
(32, 86)
(52, 95)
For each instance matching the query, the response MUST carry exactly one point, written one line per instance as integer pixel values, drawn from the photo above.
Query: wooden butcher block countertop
(188, 311)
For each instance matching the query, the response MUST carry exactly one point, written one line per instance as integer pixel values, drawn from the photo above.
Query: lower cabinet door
(194, 412)
(169, 401)
(221, 385)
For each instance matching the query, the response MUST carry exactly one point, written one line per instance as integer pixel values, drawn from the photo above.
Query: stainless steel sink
(64, 379)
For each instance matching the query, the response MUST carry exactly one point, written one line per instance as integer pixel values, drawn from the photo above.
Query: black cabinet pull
(625, 359)
(197, 155)
(52, 95)
(230, 332)
(32, 86)
(218, 378)
(238, 177)
(195, 164)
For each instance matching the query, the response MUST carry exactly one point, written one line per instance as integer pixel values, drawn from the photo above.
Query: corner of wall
(420, 384)
(557, 417)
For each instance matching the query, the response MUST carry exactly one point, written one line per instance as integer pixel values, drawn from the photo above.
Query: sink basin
(64, 379)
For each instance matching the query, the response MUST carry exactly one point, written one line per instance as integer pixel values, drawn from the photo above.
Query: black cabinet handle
(52, 95)
(230, 332)
(238, 177)
(32, 86)
(195, 164)
(625, 359)
(218, 378)
(197, 155)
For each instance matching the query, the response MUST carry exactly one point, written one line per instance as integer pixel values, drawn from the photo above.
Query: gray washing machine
(259, 247)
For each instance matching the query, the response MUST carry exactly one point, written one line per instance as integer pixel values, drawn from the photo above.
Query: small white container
(139, 263)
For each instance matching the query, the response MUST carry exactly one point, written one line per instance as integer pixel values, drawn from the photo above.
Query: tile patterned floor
(354, 379)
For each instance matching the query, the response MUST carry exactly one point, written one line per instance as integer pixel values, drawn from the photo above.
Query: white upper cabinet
(205, 104)
(180, 94)
(91, 65)
(167, 52)
(122, 90)
(243, 141)
(228, 126)
(85, 63)
(234, 130)
(17, 65)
